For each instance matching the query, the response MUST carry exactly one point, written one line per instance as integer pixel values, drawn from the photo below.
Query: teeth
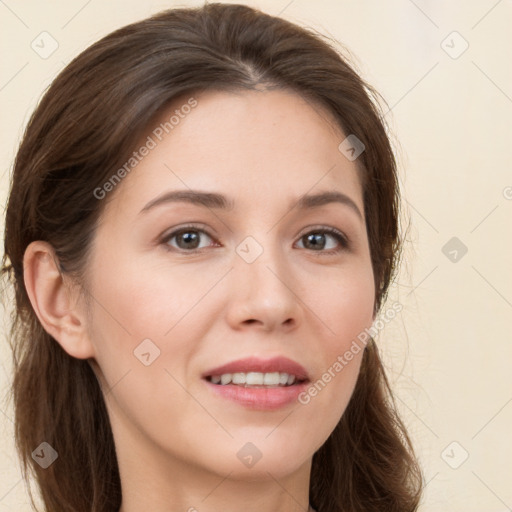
(271, 379)
(225, 379)
(238, 378)
(254, 379)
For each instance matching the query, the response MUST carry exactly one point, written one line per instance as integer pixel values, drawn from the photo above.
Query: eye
(316, 240)
(187, 238)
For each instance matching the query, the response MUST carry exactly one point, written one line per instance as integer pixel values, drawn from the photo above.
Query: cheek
(139, 301)
(345, 306)
(143, 343)
(144, 313)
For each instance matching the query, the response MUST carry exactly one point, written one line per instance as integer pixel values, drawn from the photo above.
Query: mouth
(278, 371)
(258, 384)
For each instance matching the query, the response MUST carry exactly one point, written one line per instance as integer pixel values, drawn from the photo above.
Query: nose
(264, 294)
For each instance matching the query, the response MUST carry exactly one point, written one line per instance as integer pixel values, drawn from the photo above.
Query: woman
(201, 230)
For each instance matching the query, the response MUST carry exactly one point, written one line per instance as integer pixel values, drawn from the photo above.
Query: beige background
(449, 350)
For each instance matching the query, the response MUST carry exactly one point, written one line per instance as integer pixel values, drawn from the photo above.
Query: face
(183, 287)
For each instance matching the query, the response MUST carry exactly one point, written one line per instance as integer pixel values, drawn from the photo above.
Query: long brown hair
(86, 124)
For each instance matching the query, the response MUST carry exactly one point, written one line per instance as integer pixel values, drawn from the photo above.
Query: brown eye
(186, 239)
(318, 240)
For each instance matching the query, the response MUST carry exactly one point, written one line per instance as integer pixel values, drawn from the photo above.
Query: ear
(54, 300)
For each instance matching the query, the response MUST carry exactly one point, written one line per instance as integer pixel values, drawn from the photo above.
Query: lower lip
(262, 399)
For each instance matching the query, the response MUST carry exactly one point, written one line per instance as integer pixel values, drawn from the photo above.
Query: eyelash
(340, 237)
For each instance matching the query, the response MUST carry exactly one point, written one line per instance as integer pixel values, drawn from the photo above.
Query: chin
(257, 460)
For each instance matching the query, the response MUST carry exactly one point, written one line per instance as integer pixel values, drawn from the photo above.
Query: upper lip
(253, 364)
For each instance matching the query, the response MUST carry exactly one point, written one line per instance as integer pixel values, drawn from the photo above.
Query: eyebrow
(219, 201)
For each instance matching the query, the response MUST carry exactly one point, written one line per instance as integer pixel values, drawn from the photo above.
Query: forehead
(252, 121)
(273, 143)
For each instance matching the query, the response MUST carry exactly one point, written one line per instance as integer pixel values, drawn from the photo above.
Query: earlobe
(52, 300)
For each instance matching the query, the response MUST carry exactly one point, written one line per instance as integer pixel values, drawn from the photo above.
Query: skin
(176, 441)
